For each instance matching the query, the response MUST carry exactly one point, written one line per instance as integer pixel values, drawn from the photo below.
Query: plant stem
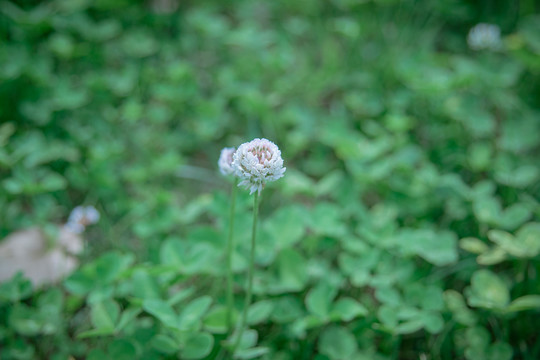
(250, 273)
(525, 281)
(396, 347)
(230, 296)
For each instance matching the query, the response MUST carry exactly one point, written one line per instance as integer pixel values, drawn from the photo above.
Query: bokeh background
(412, 187)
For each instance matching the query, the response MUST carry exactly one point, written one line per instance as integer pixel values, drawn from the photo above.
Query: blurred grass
(398, 139)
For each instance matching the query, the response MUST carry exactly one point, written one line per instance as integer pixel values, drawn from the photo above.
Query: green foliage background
(406, 226)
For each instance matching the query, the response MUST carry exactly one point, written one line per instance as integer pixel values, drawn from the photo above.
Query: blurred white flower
(74, 227)
(484, 36)
(92, 215)
(81, 217)
(256, 163)
(225, 161)
(76, 214)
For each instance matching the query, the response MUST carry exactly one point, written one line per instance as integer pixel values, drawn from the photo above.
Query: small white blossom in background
(484, 36)
(81, 217)
(257, 162)
(225, 161)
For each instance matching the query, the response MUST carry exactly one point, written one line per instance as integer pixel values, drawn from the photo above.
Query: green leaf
(287, 309)
(347, 309)
(326, 220)
(193, 312)
(487, 210)
(292, 270)
(139, 43)
(215, 320)
(80, 282)
(144, 285)
(6, 131)
(171, 253)
(319, 299)
(439, 248)
(409, 327)
(338, 343)
(487, 291)
(51, 302)
(251, 353)
(433, 321)
(39, 112)
(105, 314)
(456, 304)
(300, 326)
(19, 349)
(260, 311)
(121, 349)
(287, 226)
(477, 337)
(388, 296)
(165, 344)
(197, 346)
(189, 257)
(529, 237)
(492, 256)
(102, 271)
(180, 295)
(473, 245)
(519, 178)
(480, 156)
(507, 242)
(432, 298)
(24, 320)
(100, 294)
(95, 333)
(110, 266)
(408, 312)
(500, 351)
(16, 289)
(66, 98)
(514, 216)
(127, 316)
(248, 339)
(526, 302)
(161, 310)
(96, 354)
(53, 182)
(388, 316)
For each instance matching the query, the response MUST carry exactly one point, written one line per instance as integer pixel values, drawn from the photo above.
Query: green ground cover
(407, 225)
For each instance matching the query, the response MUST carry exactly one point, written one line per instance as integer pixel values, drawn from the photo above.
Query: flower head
(484, 36)
(81, 217)
(256, 163)
(225, 161)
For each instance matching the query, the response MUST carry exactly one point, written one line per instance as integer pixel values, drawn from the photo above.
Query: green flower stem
(230, 296)
(397, 347)
(250, 273)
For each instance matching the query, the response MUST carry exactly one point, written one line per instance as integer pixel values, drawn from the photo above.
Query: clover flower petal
(225, 161)
(256, 163)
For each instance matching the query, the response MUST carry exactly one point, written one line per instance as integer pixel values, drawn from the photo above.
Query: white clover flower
(225, 161)
(81, 217)
(484, 36)
(256, 163)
